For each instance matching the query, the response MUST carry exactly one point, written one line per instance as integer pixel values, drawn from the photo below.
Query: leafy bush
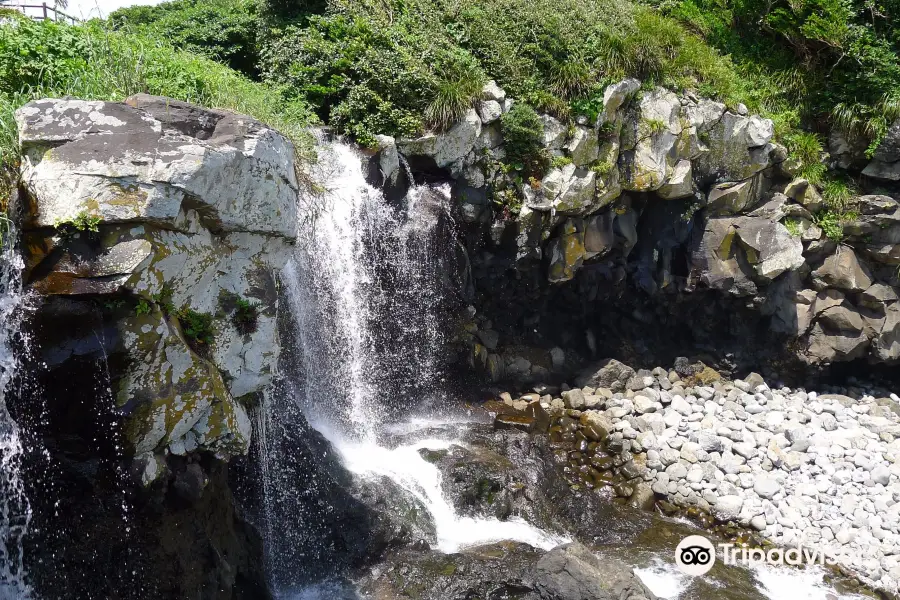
(523, 137)
(224, 30)
(399, 66)
(833, 59)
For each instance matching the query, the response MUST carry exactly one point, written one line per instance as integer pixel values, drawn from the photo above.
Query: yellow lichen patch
(706, 376)
(725, 248)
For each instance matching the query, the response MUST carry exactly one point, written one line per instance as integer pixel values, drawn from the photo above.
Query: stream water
(15, 513)
(368, 290)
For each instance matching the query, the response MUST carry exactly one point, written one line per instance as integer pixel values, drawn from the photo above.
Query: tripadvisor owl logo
(695, 555)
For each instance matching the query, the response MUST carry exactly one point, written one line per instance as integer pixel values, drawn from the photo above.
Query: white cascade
(15, 512)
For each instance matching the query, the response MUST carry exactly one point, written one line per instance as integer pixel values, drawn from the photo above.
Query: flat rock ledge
(817, 470)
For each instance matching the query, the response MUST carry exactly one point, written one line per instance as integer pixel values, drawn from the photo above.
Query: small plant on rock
(142, 308)
(83, 222)
(793, 227)
(655, 126)
(246, 316)
(197, 328)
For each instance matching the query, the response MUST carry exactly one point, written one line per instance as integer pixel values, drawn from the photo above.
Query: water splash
(15, 511)
(368, 288)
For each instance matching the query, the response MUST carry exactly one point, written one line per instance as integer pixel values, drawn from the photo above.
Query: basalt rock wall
(670, 224)
(153, 233)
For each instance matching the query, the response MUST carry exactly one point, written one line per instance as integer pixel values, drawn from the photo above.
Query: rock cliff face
(153, 232)
(668, 221)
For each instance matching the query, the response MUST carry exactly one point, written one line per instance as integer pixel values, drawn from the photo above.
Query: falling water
(15, 513)
(367, 287)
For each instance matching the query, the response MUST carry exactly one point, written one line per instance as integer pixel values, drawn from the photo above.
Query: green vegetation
(197, 327)
(244, 313)
(142, 307)
(400, 66)
(523, 140)
(832, 222)
(47, 59)
(834, 61)
(245, 317)
(83, 222)
(224, 30)
(793, 227)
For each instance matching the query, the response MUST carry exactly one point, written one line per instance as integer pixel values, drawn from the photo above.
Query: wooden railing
(42, 12)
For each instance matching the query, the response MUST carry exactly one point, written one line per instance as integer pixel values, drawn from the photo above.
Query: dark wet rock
(505, 571)
(572, 572)
(493, 572)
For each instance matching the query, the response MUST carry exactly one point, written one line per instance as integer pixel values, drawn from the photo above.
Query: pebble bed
(821, 471)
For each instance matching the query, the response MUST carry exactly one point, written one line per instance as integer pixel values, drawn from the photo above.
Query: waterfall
(367, 289)
(15, 512)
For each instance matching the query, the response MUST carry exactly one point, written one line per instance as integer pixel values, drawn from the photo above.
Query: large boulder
(737, 253)
(449, 149)
(735, 149)
(769, 247)
(885, 163)
(652, 129)
(174, 219)
(140, 162)
(843, 270)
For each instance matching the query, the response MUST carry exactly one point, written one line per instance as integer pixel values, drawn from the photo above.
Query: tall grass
(46, 59)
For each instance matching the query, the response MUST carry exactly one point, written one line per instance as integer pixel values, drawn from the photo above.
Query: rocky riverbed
(817, 470)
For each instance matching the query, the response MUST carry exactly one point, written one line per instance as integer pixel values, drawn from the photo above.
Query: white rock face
(123, 165)
(195, 210)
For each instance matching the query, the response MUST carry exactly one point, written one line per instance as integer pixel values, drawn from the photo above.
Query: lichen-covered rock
(182, 215)
(122, 164)
(732, 198)
(680, 184)
(734, 152)
(566, 252)
(648, 141)
(583, 146)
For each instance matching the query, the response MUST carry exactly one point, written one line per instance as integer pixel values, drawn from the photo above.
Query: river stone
(728, 508)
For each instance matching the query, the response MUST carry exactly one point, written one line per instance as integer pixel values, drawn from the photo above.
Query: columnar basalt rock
(667, 194)
(173, 219)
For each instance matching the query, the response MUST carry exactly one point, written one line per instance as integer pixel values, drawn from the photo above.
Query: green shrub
(397, 66)
(832, 223)
(246, 316)
(223, 30)
(837, 193)
(523, 140)
(831, 60)
(457, 90)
